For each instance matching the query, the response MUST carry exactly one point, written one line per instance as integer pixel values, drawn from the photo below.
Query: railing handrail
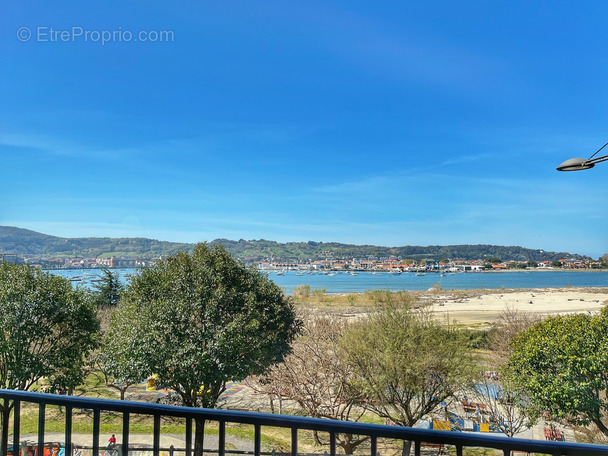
(459, 439)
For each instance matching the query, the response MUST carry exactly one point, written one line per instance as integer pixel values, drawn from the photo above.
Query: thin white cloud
(63, 147)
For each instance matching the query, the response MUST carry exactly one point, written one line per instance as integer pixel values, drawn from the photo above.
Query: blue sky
(388, 123)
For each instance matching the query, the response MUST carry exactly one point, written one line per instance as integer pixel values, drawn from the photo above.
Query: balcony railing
(419, 437)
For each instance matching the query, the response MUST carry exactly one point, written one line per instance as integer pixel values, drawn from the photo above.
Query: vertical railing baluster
(156, 444)
(257, 445)
(294, 424)
(294, 441)
(222, 439)
(41, 422)
(188, 436)
(96, 419)
(126, 418)
(68, 430)
(16, 425)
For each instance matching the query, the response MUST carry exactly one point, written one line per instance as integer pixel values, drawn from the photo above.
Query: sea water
(342, 282)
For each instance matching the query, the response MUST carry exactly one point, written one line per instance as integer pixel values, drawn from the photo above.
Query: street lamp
(576, 164)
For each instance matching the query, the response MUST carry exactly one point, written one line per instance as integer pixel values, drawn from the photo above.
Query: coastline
(501, 271)
(483, 307)
(476, 308)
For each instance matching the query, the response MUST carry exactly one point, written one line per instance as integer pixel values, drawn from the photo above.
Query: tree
(562, 364)
(197, 321)
(505, 401)
(109, 289)
(405, 363)
(506, 404)
(119, 368)
(510, 323)
(47, 329)
(316, 376)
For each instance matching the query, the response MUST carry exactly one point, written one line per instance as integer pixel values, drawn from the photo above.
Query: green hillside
(262, 249)
(31, 243)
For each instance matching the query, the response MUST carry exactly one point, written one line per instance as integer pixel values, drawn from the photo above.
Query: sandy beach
(479, 307)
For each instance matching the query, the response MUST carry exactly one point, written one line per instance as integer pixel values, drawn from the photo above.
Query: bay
(345, 283)
(342, 282)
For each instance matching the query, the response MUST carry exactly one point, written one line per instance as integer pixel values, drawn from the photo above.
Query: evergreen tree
(109, 290)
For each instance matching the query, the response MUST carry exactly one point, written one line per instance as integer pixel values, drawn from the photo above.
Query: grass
(476, 452)
(82, 422)
(312, 299)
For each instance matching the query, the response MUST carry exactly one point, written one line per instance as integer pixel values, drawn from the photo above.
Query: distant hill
(262, 249)
(31, 243)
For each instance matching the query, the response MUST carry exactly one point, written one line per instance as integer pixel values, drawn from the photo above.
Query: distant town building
(11, 258)
(125, 262)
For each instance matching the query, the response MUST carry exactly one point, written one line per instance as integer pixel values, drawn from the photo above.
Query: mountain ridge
(31, 243)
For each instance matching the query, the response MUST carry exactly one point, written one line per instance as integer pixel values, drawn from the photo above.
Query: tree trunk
(5, 414)
(601, 426)
(199, 436)
(347, 444)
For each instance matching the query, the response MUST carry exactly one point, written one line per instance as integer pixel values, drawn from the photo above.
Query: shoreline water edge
(359, 282)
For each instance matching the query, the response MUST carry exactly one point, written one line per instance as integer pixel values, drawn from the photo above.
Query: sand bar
(478, 307)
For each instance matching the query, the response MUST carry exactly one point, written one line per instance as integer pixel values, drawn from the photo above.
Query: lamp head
(575, 164)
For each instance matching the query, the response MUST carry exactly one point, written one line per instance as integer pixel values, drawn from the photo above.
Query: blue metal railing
(258, 420)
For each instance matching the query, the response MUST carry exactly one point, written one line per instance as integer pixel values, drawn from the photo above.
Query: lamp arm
(598, 151)
(597, 160)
